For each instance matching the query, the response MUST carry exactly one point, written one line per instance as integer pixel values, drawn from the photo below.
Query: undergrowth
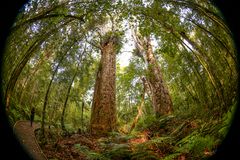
(165, 138)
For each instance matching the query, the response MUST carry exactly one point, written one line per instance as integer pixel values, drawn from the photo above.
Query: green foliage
(172, 156)
(195, 144)
(162, 143)
(159, 145)
(118, 151)
(144, 151)
(18, 112)
(147, 122)
(202, 77)
(129, 90)
(115, 37)
(152, 123)
(90, 155)
(144, 155)
(227, 119)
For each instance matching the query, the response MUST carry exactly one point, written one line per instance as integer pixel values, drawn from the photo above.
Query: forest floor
(113, 147)
(165, 139)
(25, 133)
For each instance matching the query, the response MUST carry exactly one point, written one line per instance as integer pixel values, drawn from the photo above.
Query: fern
(169, 140)
(90, 155)
(171, 156)
(195, 144)
(227, 119)
(119, 151)
(152, 123)
(164, 144)
(144, 155)
(95, 156)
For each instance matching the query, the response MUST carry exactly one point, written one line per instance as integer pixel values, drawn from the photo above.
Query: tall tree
(66, 99)
(161, 99)
(103, 117)
(189, 40)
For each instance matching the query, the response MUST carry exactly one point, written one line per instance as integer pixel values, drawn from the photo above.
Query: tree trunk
(66, 100)
(17, 71)
(103, 116)
(32, 73)
(160, 96)
(19, 68)
(82, 113)
(45, 103)
(47, 94)
(161, 99)
(140, 107)
(209, 68)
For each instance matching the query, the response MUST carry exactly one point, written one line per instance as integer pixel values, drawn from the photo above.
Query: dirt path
(26, 136)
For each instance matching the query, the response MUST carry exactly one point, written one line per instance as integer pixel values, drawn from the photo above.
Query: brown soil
(64, 148)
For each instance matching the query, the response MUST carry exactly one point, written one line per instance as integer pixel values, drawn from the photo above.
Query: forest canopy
(122, 66)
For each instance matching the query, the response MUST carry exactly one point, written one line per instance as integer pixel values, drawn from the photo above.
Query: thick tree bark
(161, 99)
(160, 96)
(103, 116)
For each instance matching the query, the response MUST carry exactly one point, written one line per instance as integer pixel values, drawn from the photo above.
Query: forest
(121, 79)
